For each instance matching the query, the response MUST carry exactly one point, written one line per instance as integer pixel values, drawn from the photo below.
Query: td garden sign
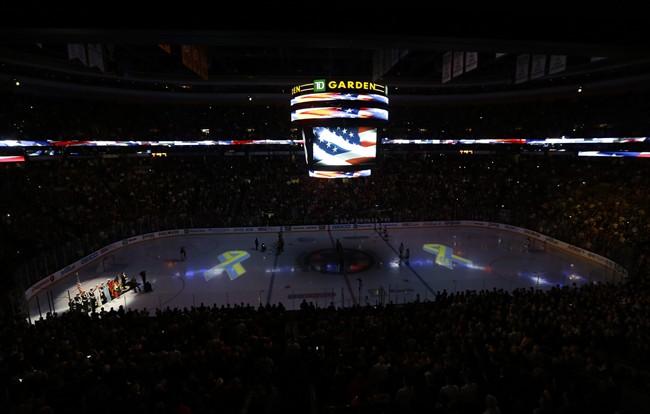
(324, 85)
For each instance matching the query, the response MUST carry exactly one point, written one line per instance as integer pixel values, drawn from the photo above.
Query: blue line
(420, 278)
(176, 295)
(270, 290)
(407, 264)
(355, 300)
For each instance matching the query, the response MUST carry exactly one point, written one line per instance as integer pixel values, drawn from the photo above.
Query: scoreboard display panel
(340, 122)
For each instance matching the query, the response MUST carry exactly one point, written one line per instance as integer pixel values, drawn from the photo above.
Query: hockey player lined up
(403, 256)
(279, 245)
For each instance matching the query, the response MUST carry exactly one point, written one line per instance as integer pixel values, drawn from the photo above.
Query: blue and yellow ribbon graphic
(231, 263)
(445, 255)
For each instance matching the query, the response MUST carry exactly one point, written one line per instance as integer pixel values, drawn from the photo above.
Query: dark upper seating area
(26, 117)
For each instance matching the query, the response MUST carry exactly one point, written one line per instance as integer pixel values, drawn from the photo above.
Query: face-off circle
(346, 261)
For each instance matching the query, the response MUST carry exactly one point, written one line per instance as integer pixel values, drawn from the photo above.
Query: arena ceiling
(258, 57)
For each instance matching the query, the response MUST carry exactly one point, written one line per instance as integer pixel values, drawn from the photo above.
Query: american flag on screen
(344, 145)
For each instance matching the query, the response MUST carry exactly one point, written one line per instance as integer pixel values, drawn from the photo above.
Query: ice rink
(342, 267)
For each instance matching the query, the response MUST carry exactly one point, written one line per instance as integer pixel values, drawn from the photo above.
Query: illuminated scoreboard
(340, 122)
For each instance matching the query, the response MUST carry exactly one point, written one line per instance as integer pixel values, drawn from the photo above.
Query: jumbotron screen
(340, 122)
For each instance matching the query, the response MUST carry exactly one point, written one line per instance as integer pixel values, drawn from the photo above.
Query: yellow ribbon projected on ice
(445, 255)
(231, 263)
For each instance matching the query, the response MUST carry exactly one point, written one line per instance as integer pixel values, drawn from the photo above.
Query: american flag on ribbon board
(341, 146)
(339, 174)
(336, 96)
(330, 112)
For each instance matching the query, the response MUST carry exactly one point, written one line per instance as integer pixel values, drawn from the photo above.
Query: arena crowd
(566, 350)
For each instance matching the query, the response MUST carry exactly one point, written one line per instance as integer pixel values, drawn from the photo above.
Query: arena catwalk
(340, 265)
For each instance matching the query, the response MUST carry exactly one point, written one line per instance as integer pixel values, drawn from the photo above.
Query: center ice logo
(231, 263)
(445, 255)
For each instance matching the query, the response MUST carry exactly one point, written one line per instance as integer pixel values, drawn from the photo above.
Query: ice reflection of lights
(413, 263)
(475, 266)
(286, 269)
(575, 278)
(430, 262)
(537, 278)
(214, 272)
